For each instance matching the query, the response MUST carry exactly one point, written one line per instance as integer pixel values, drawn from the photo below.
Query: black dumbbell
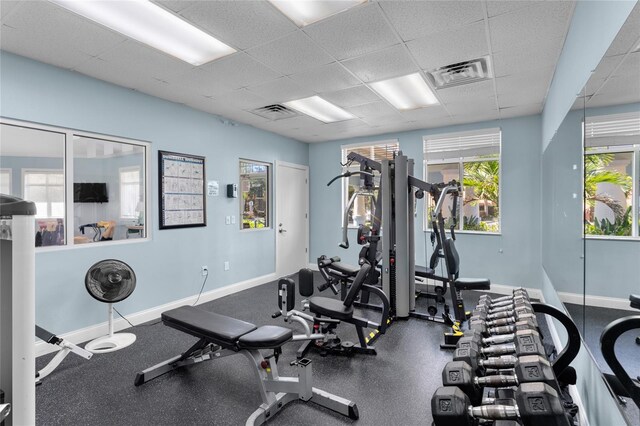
(537, 404)
(527, 369)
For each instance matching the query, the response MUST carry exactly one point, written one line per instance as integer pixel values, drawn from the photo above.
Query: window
(611, 160)
(472, 158)
(130, 186)
(46, 189)
(363, 206)
(101, 196)
(5, 181)
(254, 194)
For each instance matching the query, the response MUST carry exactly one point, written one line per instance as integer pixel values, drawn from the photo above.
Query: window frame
(426, 225)
(68, 159)
(344, 150)
(269, 196)
(634, 149)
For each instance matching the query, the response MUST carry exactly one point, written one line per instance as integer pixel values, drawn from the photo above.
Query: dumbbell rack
(501, 371)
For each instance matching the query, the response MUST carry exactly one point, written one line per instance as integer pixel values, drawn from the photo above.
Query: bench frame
(275, 391)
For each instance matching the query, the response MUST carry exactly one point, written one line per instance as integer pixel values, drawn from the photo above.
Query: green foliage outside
(484, 178)
(473, 223)
(596, 172)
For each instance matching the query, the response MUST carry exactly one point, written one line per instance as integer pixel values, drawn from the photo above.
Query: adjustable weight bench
(221, 336)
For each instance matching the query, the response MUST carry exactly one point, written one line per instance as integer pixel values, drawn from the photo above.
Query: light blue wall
(593, 27)
(168, 267)
(517, 264)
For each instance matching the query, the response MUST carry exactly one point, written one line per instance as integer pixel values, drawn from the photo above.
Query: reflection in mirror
(611, 202)
(32, 167)
(108, 190)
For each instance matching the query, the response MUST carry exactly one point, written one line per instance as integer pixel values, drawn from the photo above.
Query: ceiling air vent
(466, 72)
(275, 112)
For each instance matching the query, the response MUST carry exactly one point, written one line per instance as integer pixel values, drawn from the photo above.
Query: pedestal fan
(110, 281)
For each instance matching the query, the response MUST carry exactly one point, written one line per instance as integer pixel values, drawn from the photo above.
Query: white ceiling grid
(334, 58)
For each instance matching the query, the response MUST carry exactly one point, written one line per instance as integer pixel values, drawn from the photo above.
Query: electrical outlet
(227, 220)
(205, 271)
(233, 220)
(226, 266)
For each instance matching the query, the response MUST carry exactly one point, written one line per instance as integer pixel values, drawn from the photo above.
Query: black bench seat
(423, 271)
(224, 330)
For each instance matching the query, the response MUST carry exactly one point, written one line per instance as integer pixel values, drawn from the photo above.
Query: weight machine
(393, 211)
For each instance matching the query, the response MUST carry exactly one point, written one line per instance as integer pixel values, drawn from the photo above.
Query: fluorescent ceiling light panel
(305, 12)
(152, 25)
(406, 92)
(319, 109)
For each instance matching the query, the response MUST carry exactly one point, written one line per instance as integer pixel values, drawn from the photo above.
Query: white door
(292, 218)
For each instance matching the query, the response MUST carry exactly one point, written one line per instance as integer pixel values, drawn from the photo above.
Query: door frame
(278, 174)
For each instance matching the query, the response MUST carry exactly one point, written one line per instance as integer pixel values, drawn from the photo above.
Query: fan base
(106, 344)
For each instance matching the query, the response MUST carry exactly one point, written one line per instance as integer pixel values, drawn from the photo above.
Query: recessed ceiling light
(319, 109)
(152, 25)
(406, 92)
(305, 12)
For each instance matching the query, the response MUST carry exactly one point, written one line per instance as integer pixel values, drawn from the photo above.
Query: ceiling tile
(527, 88)
(476, 117)
(113, 73)
(236, 71)
(241, 24)
(293, 53)
(473, 92)
(373, 109)
(164, 90)
(392, 62)
(471, 108)
(521, 110)
(540, 25)
(521, 61)
(204, 82)
(353, 33)
(54, 35)
(415, 19)
(133, 57)
(606, 66)
(6, 6)
(384, 120)
(630, 66)
(281, 90)
(175, 5)
(326, 78)
(350, 97)
(242, 99)
(449, 47)
(499, 7)
(425, 114)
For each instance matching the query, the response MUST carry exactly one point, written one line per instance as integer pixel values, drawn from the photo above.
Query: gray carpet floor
(392, 388)
(627, 351)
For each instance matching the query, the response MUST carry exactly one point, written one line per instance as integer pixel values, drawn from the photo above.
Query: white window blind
(129, 192)
(451, 146)
(377, 152)
(5, 181)
(46, 189)
(612, 130)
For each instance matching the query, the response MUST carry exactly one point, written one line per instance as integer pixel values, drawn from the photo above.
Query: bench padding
(345, 269)
(265, 337)
(208, 325)
(635, 301)
(472, 284)
(332, 308)
(423, 271)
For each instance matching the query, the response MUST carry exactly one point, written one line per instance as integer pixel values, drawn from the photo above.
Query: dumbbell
(520, 301)
(510, 313)
(537, 404)
(527, 369)
(524, 342)
(518, 316)
(480, 327)
(519, 292)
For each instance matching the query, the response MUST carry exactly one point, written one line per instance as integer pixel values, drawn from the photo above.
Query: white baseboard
(313, 266)
(94, 331)
(599, 301)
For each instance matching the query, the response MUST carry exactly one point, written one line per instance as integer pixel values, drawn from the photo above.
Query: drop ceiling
(335, 58)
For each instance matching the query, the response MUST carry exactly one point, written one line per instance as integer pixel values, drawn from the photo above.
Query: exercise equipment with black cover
(620, 381)
(110, 281)
(17, 311)
(220, 336)
(536, 404)
(336, 310)
(63, 347)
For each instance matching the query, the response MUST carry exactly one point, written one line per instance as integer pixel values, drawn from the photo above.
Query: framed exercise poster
(182, 192)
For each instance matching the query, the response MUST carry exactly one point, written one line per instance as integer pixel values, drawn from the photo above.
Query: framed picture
(182, 190)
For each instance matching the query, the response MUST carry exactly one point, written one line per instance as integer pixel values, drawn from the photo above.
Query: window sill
(610, 238)
(497, 234)
(48, 249)
(256, 229)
